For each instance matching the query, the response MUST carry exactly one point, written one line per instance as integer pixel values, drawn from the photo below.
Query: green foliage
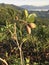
(31, 18)
(35, 63)
(24, 14)
(13, 60)
(37, 41)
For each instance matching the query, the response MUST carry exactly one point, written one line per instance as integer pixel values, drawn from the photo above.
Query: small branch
(4, 61)
(15, 28)
(23, 21)
(17, 43)
(10, 32)
(23, 42)
(15, 33)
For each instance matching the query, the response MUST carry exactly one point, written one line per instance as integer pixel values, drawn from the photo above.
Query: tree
(11, 28)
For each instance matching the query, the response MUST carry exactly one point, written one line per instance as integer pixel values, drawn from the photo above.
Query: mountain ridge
(30, 7)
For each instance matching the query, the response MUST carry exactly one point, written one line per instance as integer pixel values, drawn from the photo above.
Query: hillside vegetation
(24, 37)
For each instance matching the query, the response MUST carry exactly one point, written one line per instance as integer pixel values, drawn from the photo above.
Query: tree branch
(23, 21)
(4, 61)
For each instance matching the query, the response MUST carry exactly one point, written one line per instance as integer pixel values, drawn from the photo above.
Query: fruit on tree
(32, 25)
(28, 29)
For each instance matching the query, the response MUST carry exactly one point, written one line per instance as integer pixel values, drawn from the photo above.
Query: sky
(26, 2)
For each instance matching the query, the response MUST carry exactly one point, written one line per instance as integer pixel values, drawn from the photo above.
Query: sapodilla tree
(28, 25)
(12, 29)
(15, 38)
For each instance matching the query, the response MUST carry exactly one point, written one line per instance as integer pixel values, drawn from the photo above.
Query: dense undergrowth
(35, 49)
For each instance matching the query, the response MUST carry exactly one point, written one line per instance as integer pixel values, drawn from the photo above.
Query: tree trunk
(21, 57)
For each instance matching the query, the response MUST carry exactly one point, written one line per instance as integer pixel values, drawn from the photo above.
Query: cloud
(26, 2)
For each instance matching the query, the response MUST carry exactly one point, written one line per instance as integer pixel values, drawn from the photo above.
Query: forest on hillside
(24, 36)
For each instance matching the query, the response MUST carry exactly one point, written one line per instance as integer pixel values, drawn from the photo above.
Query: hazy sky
(26, 2)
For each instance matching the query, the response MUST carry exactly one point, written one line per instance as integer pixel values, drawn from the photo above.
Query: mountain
(30, 7)
(11, 5)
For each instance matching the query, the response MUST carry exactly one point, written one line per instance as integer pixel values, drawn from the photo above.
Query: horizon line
(25, 4)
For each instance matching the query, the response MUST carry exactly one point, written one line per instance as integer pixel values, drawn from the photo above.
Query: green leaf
(24, 39)
(31, 18)
(2, 29)
(26, 13)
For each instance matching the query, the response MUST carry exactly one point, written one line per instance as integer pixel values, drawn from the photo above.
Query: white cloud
(26, 2)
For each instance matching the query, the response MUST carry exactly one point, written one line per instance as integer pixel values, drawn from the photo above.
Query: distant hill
(8, 12)
(31, 8)
(10, 5)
